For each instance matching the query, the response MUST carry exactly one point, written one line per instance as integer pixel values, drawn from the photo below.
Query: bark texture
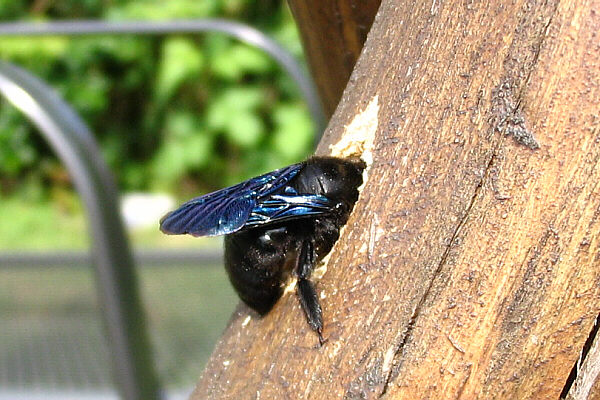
(470, 266)
(333, 33)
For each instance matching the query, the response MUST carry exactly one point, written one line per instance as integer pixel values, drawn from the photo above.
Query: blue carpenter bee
(277, 224)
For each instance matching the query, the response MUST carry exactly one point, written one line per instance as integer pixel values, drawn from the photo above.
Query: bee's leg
(305, 289)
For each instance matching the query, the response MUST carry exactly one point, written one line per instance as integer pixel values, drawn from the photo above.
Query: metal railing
(239, 31)
(73, 142)
(25, 259)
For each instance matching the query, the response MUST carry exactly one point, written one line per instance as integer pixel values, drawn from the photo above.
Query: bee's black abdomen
(255, 261)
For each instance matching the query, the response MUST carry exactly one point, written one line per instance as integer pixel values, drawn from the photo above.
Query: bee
(277, 224)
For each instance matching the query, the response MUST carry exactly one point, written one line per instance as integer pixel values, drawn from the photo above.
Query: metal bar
(23, 259)
(241, 32)
(117, 284)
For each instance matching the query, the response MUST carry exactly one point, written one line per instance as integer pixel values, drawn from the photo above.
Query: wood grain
(333, 33)
(470, 267)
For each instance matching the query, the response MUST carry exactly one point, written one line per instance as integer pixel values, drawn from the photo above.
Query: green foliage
(234, 61)
(33, 225)
(184, 148)
(172, 73)
(16, 153)
(160, 10)
(292, 131)
(183, 113)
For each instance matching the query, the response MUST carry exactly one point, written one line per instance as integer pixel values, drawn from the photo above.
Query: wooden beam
(333, 34)
(470, 266)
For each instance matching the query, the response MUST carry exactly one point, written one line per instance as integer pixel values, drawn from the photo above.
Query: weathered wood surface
(470, 267)
(333, 33)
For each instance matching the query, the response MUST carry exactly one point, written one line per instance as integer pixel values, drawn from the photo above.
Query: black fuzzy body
(277, 224)
(259, 260)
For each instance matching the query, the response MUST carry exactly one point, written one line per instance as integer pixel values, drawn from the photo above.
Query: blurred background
(176, 116)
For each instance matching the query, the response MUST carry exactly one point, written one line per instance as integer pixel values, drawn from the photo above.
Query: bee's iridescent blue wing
(257, 201)
(286, 206)
(226, 210)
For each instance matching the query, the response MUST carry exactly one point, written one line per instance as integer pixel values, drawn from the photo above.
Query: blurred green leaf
(29, 49)
(160, 10)
(239, 60)
(186, 148)
(293, 131)
(11, 9)
(180, 60)
(197, 150)
(230, 102)
(244, 129)
(91, 95)
(169, 165)
(181, 124)
(16, 152)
